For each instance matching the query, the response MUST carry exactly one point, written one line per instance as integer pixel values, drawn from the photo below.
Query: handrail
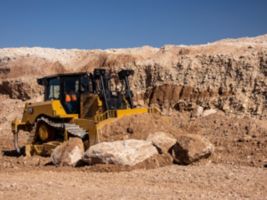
(106, 115)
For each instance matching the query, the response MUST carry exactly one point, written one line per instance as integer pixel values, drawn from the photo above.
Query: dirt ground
(210, 181)
(237, 169)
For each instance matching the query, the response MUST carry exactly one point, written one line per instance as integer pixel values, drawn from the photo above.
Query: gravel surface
(173, 182)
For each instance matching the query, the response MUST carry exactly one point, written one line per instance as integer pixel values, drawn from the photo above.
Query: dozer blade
(44, 149)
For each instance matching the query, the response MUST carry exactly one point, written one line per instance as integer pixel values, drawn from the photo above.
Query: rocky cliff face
(227, 82)
(228, 75)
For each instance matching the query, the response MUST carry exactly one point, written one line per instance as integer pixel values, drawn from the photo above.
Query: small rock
(208, 112)
(163, 141)
(68, 153)
(190, 148)
(124, 152)
(240, 140)
(129, 130)
(159, 160)
(197, 112)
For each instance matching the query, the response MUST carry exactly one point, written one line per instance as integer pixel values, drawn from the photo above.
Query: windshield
(71, 85)
(115, 86)
(71, 94)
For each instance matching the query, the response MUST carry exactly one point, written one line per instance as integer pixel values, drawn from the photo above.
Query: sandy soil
(173, 182)
(235, 171)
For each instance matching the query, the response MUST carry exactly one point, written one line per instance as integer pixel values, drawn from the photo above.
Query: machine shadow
(14, 153)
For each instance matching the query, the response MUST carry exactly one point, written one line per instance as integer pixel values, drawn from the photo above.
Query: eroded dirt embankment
(229, 75)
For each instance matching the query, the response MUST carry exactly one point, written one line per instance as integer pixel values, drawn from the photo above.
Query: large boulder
(190, 148)
(123, 152)
(163, 141)
(68, 153)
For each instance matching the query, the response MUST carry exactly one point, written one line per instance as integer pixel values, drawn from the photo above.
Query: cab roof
(42, 80)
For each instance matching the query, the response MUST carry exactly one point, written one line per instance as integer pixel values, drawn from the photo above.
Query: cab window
(71, 94)
(53, 89)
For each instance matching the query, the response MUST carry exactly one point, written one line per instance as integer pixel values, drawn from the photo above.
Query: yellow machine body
(54, 109)
(49, 108)
(75, 105)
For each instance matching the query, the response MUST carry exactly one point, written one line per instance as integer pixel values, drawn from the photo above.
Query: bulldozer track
(72, 129)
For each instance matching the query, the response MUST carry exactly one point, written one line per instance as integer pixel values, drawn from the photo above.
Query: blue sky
(91, 24)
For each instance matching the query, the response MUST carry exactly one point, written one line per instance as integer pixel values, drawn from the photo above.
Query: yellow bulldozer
(75, 105)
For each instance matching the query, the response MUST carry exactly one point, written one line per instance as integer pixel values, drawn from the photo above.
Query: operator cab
(64, 87)
(71, 88)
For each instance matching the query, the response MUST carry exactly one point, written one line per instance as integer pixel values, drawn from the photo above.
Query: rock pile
(184, 150)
